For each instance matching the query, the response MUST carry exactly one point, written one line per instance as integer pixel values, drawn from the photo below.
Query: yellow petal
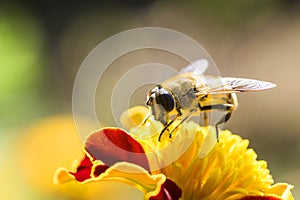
(133, 116)
(130, 174)
(282, 190)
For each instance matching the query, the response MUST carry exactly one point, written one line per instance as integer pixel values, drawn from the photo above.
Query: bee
(191, 93)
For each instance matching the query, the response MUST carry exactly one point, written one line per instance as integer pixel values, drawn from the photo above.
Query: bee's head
(160, 100)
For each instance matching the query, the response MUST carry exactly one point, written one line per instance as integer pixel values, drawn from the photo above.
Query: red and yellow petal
(169, 191)
(114, 146)
(155, 187)
(260, 198)
(85, 169)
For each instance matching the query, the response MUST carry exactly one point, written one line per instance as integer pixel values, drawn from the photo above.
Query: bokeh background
(42, 45)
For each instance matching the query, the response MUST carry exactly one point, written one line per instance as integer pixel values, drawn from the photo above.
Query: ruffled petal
(84, 170)
(282, 190)
(260, 198)
(112, 145)
(155, 187)
(169, 191)
(115, 146)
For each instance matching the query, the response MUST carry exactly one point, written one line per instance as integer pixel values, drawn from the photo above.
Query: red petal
(100, 169)
(260, 198)
(112, 145)
(83, 171)
(169, 191)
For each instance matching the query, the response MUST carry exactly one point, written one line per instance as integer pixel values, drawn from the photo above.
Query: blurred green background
(42, 45)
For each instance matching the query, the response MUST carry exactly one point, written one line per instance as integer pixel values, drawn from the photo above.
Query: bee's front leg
(166, 126)
(146, 119)
(183, 120)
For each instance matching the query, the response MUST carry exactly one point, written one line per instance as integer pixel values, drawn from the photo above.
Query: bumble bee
(191, 93)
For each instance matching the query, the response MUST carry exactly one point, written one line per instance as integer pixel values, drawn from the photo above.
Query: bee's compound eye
(166, 100)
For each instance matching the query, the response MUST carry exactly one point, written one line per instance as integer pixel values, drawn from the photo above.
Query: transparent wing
(215, 85)
(196, 67)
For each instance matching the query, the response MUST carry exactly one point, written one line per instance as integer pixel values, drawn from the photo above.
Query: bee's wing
(197, 67)
(215, 85)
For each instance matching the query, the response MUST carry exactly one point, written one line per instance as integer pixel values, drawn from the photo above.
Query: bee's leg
(227, 107)
(224, 119)
(146, 119)
(205, 116)
(166, 126)
(183, 120)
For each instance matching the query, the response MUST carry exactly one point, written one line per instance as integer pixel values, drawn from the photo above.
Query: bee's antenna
(217, 132)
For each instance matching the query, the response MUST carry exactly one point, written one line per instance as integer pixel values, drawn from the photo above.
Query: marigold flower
(191, 165)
